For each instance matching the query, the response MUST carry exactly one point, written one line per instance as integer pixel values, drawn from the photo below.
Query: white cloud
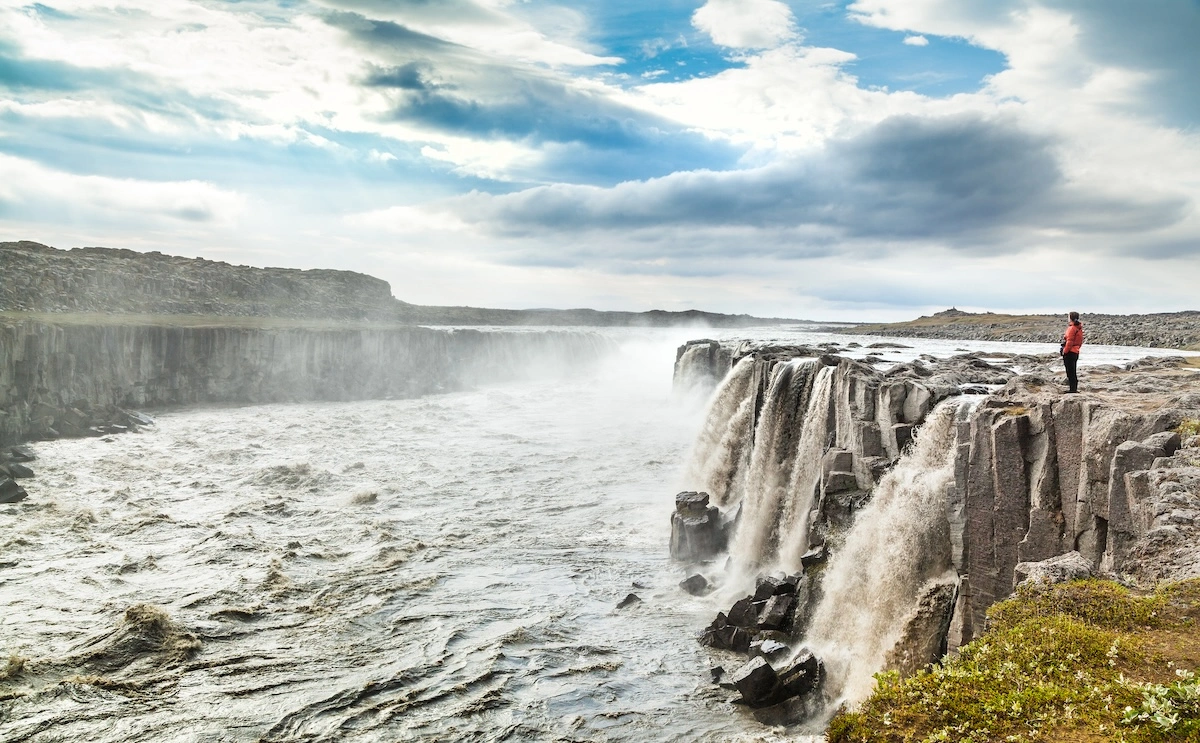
(746, 24)
(30, 188)
(916, 41)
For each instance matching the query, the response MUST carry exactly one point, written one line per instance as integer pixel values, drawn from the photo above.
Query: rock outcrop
(41, 279)
(1162, 330)
(38, 278)
(1109, 478)
(68, 379)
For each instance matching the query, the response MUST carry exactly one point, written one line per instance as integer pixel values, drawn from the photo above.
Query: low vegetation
(1085, 661)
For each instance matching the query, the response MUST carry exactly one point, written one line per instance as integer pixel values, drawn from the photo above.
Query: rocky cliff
(930, 519)
(1160, 330)
(38, 278)
(70, 379)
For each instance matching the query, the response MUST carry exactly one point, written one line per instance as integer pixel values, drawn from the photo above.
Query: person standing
(1071, 343)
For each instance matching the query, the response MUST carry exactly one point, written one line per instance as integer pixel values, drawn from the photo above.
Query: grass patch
(1189, 427)
(1084, 661)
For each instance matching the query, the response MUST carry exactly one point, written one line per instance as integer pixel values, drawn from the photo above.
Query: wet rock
(774, 614)
(725, 636)
(768, 585)
(21, 454)
(814, 556)
(924, 639)
(696, 530)
(629, 600)
(770, 649)
(802, 674)
(1061, 569)
(744, 612)
(696, 585)
(11, 492)
(756, 682)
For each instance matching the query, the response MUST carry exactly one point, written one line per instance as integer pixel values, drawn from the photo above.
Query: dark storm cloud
(965, 180)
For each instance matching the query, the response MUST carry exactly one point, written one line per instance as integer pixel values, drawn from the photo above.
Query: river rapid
(447, 568)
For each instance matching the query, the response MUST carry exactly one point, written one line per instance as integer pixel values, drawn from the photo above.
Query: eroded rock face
(70, 379)
(1100, 477)
(1045, 475)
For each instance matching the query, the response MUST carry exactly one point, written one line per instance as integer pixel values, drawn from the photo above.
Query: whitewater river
(438, 569)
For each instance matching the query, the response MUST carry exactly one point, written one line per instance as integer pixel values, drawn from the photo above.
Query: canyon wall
(63, 379)
(799, 444)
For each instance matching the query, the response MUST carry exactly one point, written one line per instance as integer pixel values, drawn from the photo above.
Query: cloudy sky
(876, 159)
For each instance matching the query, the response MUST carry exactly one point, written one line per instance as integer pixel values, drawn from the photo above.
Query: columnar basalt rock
(69, 379)
(1037, 475)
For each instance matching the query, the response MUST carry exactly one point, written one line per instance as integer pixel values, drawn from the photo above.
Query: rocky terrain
(1162, 330)
(89, 281)
(1039, 485)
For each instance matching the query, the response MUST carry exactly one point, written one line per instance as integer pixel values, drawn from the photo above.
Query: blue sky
(875, 159)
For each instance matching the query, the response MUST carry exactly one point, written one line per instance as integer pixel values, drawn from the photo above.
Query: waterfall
(898, 544)
(789, 442)
(720, 456)
(804, 487)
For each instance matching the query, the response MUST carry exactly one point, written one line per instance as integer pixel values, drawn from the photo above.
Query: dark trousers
(1069, 361)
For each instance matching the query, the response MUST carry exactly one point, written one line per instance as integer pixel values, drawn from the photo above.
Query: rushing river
(437, 569)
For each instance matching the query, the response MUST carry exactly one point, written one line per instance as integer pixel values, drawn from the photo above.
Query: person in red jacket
(1071, 343)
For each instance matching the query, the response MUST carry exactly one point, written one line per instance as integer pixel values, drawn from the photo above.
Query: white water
(899, 541)
(444, 568)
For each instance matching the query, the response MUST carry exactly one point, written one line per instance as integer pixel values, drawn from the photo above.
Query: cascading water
(721, 454)
(796, 519)
(785, 467)
(899, 543)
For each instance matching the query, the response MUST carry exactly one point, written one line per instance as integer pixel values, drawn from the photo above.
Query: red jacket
(1073, 338)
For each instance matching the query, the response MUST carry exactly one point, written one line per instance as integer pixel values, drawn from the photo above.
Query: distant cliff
(73, 380)
(40, 279)
(1161, 330)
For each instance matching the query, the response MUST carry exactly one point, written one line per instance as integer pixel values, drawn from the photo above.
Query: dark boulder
(773, 615)
(11, 492)
(21, 454)
(744, 613)
(756, 682)
(629, 600)
(18, 471)
(802, 674)
(770, 649)
(697, 585)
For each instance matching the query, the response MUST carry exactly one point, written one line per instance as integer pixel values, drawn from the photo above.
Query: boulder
(756, 682)
(924, 639)
(773, 615)
(696, 530)
(696, 584)
(21, 454)
(1061, 569)
(744, 613)
(802, 674)
(18, 471)
(629, 600)
(769, 649)
(11, 492)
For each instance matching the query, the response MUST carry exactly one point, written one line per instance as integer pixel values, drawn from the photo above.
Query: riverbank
(1163, 330)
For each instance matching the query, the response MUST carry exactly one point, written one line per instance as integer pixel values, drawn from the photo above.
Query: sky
(868, 160)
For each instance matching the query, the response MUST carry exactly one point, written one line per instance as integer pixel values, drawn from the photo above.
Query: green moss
(1065, 663)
